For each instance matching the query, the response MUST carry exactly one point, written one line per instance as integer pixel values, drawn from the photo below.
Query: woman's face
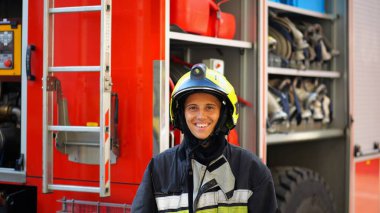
(202, 112)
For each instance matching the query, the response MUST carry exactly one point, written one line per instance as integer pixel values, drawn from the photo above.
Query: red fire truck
(75, 39)
(85, 87)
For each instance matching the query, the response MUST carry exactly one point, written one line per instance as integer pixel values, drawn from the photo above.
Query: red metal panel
(34, 123)
(138, 29)
(367, 186)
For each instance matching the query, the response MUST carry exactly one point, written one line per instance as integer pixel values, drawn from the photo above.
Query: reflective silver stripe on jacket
(177, 202)
(173, 202)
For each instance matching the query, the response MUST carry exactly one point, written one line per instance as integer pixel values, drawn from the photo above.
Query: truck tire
(301, 190)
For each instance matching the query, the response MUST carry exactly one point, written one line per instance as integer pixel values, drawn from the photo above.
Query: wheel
(301, 190)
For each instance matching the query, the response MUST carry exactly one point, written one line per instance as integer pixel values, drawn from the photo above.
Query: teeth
(201, 125)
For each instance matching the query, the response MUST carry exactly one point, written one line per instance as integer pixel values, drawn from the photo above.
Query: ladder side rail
(47, 164)
(105, 100)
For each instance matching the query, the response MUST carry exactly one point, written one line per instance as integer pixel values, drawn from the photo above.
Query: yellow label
(92, 124)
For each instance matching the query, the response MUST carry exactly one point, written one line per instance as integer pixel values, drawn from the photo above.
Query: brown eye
(210, 107)
(191, 108)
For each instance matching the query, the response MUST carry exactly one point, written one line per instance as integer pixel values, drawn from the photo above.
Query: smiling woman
(205, 173)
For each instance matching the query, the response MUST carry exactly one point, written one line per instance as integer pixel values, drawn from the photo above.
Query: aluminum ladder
(50, 85)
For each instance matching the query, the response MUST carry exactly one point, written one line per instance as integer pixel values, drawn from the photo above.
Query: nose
(201, 114)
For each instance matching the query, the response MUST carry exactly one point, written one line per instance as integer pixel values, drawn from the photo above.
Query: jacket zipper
(190, 184)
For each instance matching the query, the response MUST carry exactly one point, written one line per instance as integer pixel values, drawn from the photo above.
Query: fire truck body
(136, 42)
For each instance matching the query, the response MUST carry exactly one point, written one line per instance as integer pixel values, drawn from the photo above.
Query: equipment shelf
(239, 55)
(300, 11)
(303, 73)
(292, 137)
(209, 40)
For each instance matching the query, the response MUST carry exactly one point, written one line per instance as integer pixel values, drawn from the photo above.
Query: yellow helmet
(202, 79)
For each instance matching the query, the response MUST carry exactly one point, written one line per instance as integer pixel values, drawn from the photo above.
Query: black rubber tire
(301, 190)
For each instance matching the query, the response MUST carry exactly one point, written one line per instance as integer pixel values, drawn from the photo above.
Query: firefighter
(205, 172)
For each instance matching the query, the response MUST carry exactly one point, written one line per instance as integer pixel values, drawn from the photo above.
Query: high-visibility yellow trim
(181, 211)
(220, 209)
(225, 209)
(222, 82)
(185, 77)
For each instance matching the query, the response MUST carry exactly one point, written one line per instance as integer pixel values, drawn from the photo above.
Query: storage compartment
(237, 55)
(11, 92)
(304, 68)
(306, 92)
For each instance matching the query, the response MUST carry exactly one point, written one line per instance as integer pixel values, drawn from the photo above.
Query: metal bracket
(107, 83)
(51, 83)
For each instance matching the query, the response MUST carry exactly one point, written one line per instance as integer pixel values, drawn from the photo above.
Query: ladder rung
(75, 69)
(81, 144)
(74, 128)
(74, 188)
(75, 9)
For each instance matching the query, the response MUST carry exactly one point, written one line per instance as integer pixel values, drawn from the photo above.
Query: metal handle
(28, 62)
(114, 136)
(116, 114)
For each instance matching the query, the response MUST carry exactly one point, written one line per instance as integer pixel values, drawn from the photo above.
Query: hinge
(51, 83)
(107, 83)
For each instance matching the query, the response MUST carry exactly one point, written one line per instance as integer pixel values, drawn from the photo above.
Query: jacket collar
(191, 149)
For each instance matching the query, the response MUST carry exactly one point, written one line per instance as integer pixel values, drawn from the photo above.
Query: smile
(202, 125)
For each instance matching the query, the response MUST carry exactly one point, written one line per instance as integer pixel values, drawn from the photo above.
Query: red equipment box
(224, 27)
(201, 17)
(190, 15)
